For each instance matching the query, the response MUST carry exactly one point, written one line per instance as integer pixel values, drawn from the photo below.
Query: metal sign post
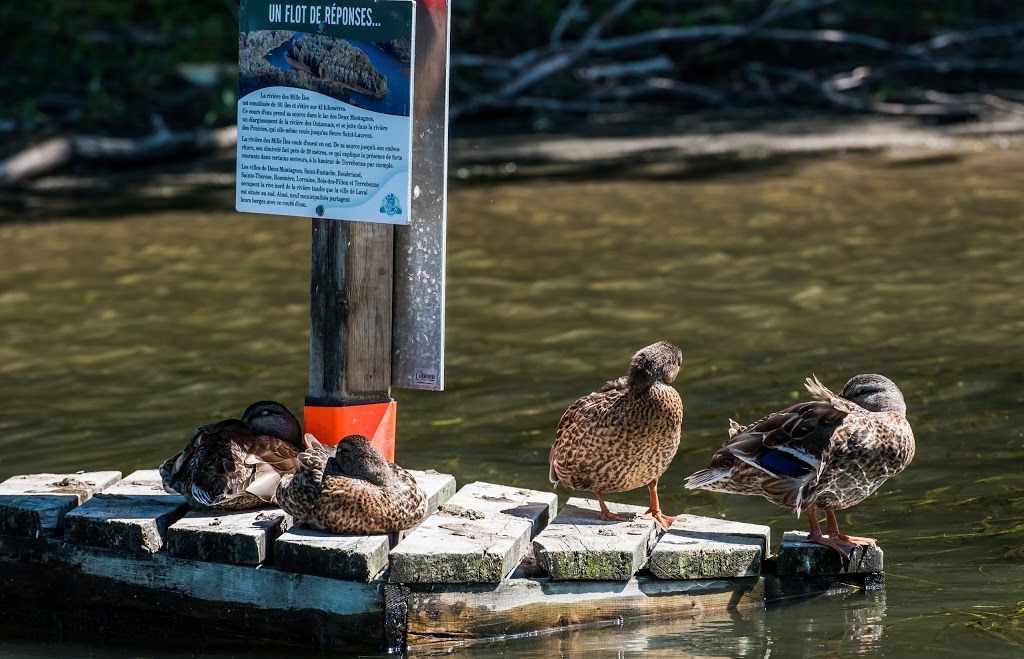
(343, 116)
(417, 353)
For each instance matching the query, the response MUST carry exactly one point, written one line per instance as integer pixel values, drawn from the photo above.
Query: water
(396, 101)
(119, 336)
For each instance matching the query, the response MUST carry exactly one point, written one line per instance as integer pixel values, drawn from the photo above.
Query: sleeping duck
(827, 454)
(351, 489)
(625, 435)
(237, 464)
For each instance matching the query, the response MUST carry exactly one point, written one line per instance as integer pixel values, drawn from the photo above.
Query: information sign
(325, 108)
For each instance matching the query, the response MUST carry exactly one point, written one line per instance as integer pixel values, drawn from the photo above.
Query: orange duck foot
(663, 520)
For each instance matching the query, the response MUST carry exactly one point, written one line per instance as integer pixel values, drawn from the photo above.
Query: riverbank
(665, 147)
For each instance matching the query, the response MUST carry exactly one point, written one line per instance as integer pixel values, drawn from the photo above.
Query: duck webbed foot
(608, 516)
(663, 520)
(654, 512)
(832, 525)
(844, 544)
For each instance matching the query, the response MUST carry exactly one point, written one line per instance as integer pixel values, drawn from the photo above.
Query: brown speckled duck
(351, 489)
(237, 464)
(827, 454)
(625, 435)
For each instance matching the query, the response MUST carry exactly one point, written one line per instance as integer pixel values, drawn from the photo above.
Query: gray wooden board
(579, 546)
(131, 515)
(350, 352)
(352, 557)
(698, 547)
(244, 537)
(800, 557)
(221, 582)
(437, 486)
(444, 614)
(34, 505)
(163, 595)
(480, 535)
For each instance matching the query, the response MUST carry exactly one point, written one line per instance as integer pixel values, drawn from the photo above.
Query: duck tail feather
(818, 390)
(702, 479)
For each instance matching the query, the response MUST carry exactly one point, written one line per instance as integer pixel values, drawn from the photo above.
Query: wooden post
(350, 313)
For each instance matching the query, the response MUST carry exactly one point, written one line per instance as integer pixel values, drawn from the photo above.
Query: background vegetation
(117, 68)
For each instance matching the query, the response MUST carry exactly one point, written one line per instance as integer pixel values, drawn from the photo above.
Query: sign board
(325, 109)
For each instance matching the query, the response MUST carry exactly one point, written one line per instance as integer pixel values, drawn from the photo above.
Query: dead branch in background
(595, 73)
(57, 152)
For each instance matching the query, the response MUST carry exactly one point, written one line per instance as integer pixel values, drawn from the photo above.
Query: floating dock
(108, 555)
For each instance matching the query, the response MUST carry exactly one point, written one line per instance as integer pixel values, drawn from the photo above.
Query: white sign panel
(325, 108)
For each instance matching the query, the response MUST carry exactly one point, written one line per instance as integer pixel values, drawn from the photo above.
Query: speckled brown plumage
(351, 489)
(830, 453)
(625, 435)
(236, 464)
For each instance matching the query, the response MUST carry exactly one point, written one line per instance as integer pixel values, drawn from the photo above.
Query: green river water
(118, 336)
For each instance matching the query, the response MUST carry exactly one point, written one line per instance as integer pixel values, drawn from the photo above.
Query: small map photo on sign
(372, 76)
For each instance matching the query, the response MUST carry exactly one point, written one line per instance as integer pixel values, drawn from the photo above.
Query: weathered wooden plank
(348, 557)
(578, 545)
(529, 606)
(131, 515)
(698, 547)
(480, 535)
(438, 487)
(160, 596)
(353, 557)
(800, 557)
(244, 537)
(370, 285)
(350, 312)
(34, 505)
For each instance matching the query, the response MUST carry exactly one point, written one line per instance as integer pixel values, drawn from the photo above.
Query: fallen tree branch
(57, 152)
(706, 95)
(968, 36)
(659, 64)
(863, 104)
(705, 32)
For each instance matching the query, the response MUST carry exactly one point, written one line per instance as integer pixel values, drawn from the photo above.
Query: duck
(624, 435)
(351, 489)
(237, 464)
(826, 454)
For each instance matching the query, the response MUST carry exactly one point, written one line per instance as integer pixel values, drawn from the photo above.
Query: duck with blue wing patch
(829, 454)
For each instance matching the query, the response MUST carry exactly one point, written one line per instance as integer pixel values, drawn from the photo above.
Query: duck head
(875, 393)
(356, 458)
(268, 417)
(658, 362)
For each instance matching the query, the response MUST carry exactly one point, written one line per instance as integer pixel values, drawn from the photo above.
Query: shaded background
(118, 68)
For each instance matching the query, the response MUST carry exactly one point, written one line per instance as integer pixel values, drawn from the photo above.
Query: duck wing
(270, 459)
(780, 456)
(212, 471)
(355, 505)
(298, 494)
(410, 501)
(582, 426)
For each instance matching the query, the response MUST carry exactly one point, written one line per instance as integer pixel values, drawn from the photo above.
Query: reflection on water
(120, 336)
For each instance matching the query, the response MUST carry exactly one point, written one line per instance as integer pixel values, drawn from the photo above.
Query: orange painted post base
(375, 421)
